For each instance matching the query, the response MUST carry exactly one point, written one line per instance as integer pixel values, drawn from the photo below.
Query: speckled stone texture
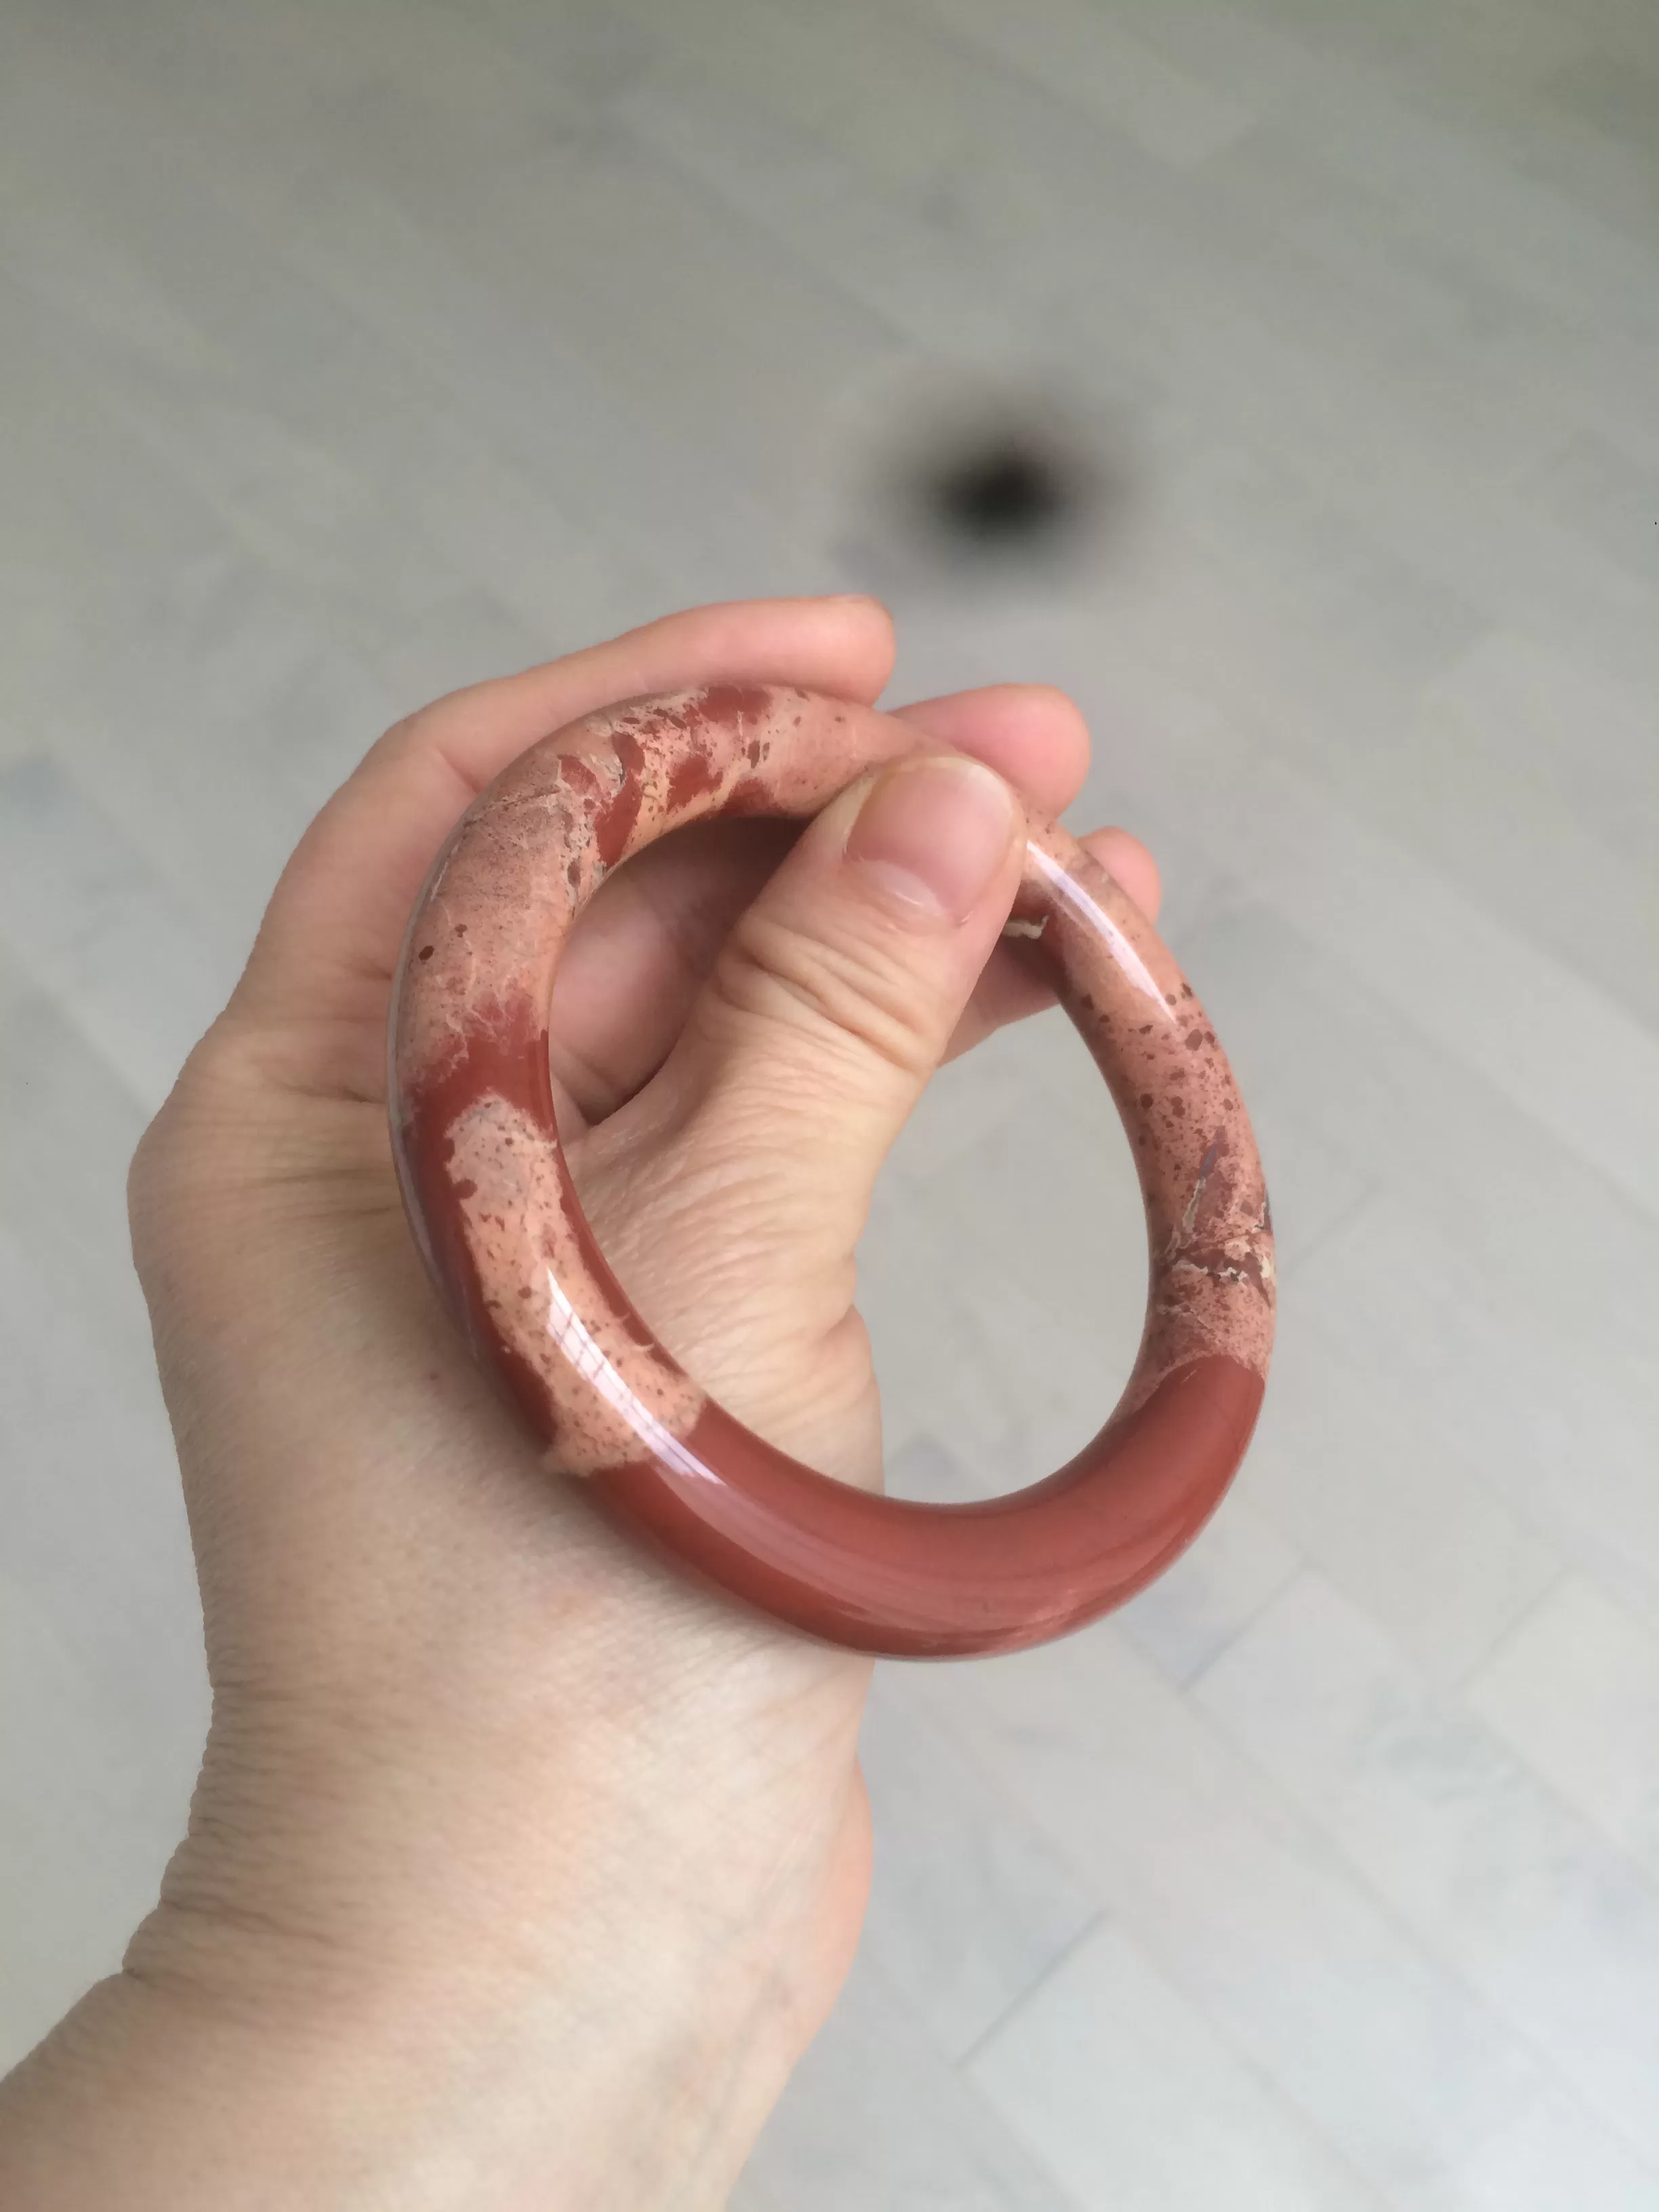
(496, 1216)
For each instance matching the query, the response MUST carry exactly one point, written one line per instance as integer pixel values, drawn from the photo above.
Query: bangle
(492, 1208)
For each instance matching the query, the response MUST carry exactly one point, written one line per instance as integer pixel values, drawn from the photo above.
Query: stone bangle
(496, 1217)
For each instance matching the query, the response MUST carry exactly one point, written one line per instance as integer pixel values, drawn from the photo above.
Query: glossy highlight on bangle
(495, 1214)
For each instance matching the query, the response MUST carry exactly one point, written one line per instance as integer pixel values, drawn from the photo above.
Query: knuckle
(213, 1104)
(402, 735)
(144, 1171)
(164, 1150)
(855, 994)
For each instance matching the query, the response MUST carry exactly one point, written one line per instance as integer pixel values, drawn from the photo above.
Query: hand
(520, 1871)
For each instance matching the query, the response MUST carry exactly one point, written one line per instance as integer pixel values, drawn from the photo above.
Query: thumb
(837, 992)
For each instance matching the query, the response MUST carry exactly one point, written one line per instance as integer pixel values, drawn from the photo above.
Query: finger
(650, 939)
(1034, 736)
(647, 943)
(331, 936)
(1130, 866)
(834, 997)
(642, 948)
(1015, 984)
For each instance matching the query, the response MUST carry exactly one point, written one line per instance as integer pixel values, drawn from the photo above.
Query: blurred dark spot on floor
(958, 481)
(1008, 492)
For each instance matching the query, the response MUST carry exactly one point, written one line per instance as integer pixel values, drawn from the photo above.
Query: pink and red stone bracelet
(496, 1216)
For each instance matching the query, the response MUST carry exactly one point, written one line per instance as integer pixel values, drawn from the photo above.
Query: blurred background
(1282, 378)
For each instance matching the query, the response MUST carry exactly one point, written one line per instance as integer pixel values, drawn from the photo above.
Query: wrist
(412, 1989)
(184, 2082)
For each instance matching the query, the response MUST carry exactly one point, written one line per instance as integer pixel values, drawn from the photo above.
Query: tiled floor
(349, 349)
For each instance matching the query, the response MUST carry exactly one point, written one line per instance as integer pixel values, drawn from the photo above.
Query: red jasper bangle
(493, 1210)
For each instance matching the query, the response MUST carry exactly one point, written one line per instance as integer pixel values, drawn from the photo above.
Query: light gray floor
(350, 348)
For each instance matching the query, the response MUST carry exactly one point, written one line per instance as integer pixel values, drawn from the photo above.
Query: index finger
(329, 940)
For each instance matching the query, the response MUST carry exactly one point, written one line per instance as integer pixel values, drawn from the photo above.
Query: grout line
(1102, 1918)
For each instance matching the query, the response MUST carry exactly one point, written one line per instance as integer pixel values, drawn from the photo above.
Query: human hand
(521, 1870)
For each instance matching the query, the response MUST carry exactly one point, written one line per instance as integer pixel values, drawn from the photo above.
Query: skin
(520, 1873)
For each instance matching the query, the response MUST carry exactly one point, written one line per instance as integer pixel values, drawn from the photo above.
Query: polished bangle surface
(496, 1215)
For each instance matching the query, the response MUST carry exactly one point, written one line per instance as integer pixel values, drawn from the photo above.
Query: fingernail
(935, 833)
